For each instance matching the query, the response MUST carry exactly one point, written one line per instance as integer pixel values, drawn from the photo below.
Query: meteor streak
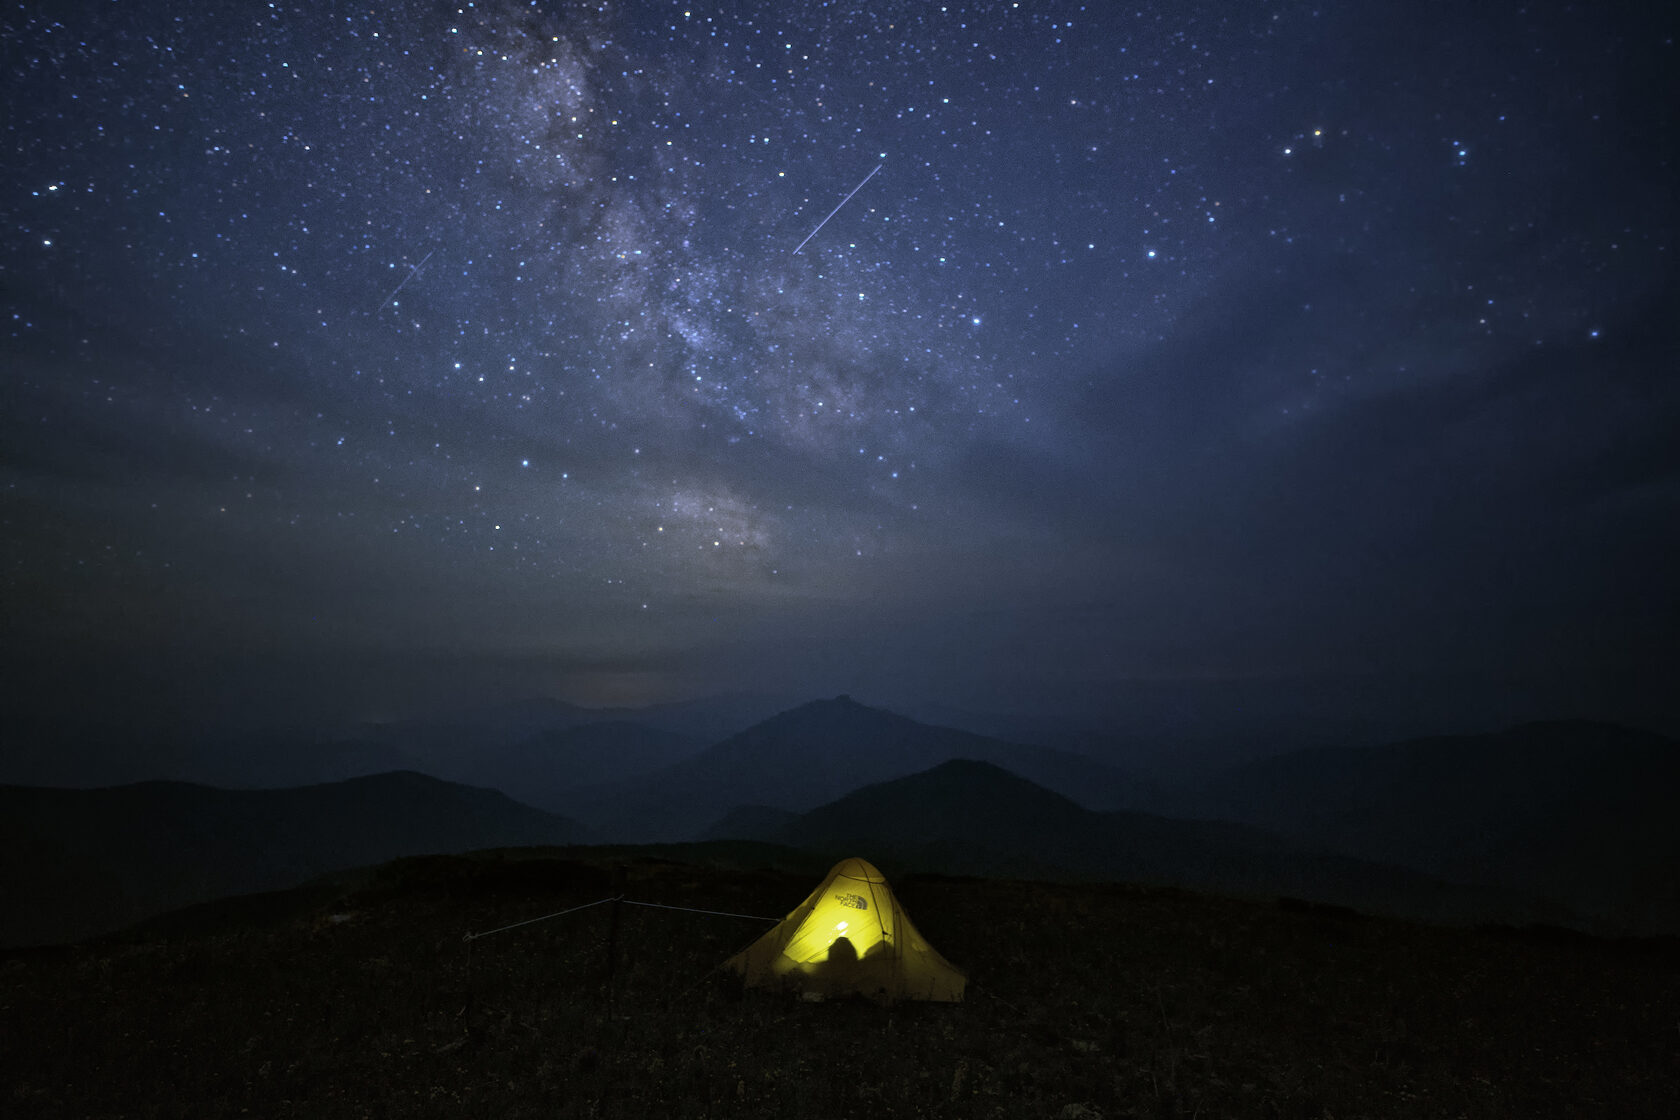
(836, 210)
(411, 274)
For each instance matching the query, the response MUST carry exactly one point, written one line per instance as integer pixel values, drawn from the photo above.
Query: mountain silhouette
(810, 755)
(1577, 811)
(432, 739)
(973, 818)
(535, 749)
(542, 769)
(78, 862)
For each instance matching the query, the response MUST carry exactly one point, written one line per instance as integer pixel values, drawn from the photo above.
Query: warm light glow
(847, 907)
(883, 958)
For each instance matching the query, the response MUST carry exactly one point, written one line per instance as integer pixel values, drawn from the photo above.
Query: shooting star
(411, 274)
(836, 210)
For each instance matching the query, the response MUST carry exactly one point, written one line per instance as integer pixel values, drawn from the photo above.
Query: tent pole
(612, 939)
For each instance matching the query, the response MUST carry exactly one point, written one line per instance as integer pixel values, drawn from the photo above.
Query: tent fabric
(850, 936)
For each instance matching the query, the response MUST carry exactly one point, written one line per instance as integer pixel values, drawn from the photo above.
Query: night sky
(361, 361)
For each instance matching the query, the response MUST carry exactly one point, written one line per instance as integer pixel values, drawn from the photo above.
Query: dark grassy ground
(1085, 1001)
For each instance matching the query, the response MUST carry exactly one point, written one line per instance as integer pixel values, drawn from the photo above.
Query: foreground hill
(973, 818)
(1577, 811)
(78, 862)
(1084, 1001)
(812, 754)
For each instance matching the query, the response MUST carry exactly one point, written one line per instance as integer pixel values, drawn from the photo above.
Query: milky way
(468, 346)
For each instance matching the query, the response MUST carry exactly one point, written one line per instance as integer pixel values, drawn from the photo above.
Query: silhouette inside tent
(850, 937)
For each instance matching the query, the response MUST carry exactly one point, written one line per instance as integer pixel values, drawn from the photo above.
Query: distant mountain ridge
(534, 750)
(812, 754)
(543, 769)
(1547, 822)
(496, 726)
(1578, 811)
(973, 818)
(78, 862)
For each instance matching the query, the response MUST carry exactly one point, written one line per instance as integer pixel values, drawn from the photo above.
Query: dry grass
(1086, 1001)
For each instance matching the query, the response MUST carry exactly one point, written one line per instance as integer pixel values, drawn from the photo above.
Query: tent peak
(856, 868)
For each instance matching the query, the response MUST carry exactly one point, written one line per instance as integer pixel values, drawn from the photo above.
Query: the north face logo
(855, 901)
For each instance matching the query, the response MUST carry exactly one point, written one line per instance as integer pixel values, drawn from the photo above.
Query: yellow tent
(850, 936)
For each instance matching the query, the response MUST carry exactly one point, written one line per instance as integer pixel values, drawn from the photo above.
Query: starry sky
(360, 360)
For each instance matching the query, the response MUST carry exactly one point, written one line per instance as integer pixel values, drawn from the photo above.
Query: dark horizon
(1171, 731)
(1180, 372)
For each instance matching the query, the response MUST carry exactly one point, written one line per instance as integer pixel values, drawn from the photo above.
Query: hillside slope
(76, 862)
(1576, 811)
(1083, 1001)
(810, 755)
(973, 818)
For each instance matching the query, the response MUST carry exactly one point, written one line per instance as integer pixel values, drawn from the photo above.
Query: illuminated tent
(850, 937)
